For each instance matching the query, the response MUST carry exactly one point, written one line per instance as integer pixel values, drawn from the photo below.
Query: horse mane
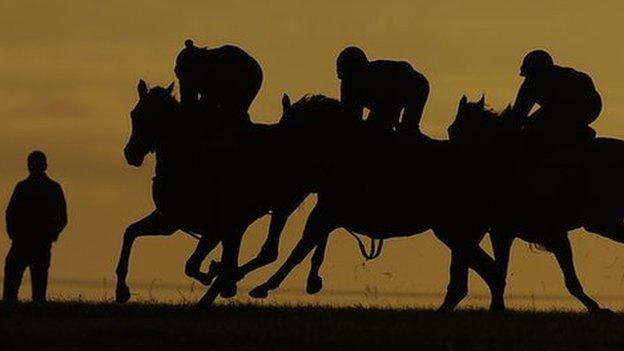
(317, 105)
(492, 113)
(162, 94)
(503, 117)
(317, 110)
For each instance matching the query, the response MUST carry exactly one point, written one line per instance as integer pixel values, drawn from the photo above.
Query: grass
(105, 326)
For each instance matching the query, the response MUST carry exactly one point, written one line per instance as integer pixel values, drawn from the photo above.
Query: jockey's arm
(523, 104)
(350, 100)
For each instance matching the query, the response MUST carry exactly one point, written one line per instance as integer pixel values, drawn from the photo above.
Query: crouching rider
(568, 103)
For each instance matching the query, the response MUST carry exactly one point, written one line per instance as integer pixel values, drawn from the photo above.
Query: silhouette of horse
(383, 185)
(540, 198)
(213, 189)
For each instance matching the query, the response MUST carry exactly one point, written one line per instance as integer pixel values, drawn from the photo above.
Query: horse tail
(374, 251)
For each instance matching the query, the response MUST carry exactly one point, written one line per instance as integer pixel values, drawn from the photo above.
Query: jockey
(384, 87)
(226, 78)
(567, 98)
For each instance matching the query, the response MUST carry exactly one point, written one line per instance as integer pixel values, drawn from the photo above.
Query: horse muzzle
(134, 158)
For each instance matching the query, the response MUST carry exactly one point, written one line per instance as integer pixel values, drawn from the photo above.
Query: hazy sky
(68, 75)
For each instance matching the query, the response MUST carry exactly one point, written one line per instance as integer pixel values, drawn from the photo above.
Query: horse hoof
(498, 309)
(445, 309)
(314, 285)
(602, 312)
(228, 291)
(122, 294)
(259, 292)
(207, 300)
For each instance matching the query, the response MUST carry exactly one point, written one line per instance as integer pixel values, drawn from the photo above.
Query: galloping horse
(539, 201)
(516, 196)
(210, 192)
(214, 189)
(386, 185)
(540, 198)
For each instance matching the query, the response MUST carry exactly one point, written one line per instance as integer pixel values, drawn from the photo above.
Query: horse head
(148, 121)
(477, 126)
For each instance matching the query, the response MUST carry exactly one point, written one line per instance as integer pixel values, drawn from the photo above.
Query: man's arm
(523, 104)
(61, 215)
(12, 213)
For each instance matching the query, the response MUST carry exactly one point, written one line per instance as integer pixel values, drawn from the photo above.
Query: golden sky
(68, 74)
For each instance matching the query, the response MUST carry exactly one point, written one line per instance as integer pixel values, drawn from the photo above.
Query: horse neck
(174, 145)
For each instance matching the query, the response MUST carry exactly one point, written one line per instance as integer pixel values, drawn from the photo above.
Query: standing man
(384, 87)
(35, 217)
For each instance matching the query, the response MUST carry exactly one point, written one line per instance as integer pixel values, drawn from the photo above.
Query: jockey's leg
(415, 105)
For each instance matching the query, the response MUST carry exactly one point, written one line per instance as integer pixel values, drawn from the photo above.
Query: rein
(374, 251)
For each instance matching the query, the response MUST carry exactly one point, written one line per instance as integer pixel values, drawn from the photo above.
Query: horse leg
(225, 282)
(231, 251)
(486, 267)
(206, 244)
(154, 224)
(560, 246)
(315, 228)
(457, 288)
(465, 251)
(501, 245)
(269, 251)
(315, 282)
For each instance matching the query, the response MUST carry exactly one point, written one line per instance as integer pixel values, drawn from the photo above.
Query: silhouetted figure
(539, 202)
(218, 206)
(366, 186)
(567, 98)
(35, 217)
(224, 78)
(384, 87)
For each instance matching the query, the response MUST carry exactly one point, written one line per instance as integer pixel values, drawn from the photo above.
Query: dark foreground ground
(66, 326)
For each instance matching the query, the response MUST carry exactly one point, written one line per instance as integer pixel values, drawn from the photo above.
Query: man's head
(37, 162)
(351, 61)
(536, 63)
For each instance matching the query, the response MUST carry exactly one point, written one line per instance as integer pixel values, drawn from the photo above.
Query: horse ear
(481, 102)
(169, 89)
(463, 102)
(142, 88)
(286, 103)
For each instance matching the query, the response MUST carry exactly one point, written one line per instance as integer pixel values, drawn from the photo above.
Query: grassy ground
(104, 326)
